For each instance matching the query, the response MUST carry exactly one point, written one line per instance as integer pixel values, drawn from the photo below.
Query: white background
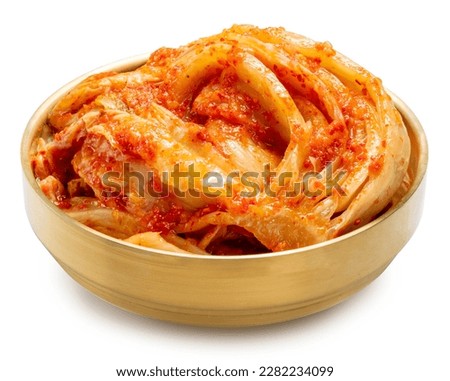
(51, 328)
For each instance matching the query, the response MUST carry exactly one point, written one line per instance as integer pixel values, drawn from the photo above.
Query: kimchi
(249, 141)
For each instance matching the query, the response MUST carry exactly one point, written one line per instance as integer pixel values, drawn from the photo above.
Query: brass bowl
(223, 291)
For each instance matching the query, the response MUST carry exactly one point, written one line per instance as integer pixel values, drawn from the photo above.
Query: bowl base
(223, 318)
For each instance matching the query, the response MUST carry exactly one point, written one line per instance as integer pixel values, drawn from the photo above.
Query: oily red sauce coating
(219, 108)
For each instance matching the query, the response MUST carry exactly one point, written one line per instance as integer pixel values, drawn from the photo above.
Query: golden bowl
(222, 291)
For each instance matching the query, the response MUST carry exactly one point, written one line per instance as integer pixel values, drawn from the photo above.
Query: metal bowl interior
(223, 291)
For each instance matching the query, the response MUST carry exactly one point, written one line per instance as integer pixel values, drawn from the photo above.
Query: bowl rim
(130, 63)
